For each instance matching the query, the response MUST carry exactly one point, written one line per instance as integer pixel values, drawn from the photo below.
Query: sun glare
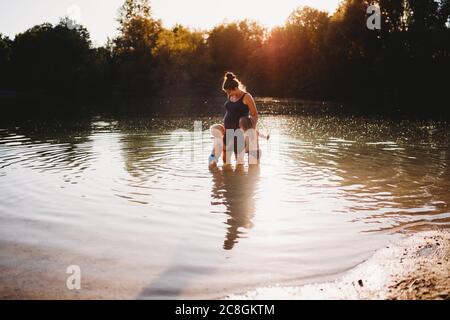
(207, 13)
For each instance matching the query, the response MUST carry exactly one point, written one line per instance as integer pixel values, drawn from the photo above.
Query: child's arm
(263, 136)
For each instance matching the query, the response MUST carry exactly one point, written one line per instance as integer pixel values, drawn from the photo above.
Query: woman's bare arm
(250, 102)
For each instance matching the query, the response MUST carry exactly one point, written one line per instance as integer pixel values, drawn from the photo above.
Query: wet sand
(39, 273)
(414, 268)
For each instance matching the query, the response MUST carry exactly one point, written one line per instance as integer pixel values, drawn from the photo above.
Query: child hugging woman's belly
(241, 116)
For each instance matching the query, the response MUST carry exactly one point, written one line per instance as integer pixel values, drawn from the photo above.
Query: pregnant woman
(239, 104)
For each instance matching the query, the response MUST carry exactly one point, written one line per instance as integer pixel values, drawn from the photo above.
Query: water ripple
(327, 187)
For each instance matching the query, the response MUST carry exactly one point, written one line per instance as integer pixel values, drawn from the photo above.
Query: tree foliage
(5, 58)
(314, 55)
(51, 58)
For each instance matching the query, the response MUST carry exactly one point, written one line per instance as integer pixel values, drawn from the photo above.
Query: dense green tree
(5, 59)
(138, 35)
(314, 55)
(51, 58)
(232, 45)
(183, 62)
(306, 28)
(351, 47)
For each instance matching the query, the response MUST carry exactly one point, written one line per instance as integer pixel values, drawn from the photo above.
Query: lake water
(131, 201)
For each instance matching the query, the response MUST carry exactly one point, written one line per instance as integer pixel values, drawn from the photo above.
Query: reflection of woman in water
(236, 190)
(239, 104)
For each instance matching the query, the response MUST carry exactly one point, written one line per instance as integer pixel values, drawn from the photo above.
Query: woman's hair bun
(230, 76)
(231, 82)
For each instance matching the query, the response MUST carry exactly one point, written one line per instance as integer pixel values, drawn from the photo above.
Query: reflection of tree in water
(136, 150)
(57, 145)
(236, 190)
(142, 155)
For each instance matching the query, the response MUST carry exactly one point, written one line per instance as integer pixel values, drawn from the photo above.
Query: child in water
(245, 123)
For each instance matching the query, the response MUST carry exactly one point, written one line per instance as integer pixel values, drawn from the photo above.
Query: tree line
(314, 55)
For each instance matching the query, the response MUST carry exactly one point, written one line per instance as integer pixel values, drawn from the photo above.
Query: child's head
(245, 123)
(217, 130)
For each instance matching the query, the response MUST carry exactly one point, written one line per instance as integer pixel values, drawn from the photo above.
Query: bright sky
(98, 16)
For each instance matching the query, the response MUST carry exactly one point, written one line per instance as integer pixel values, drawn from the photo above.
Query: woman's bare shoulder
(248, 97)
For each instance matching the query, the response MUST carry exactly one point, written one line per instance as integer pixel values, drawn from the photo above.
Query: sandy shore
(416, 267)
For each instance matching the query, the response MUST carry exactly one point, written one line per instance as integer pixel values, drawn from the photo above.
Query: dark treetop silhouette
(314, 56)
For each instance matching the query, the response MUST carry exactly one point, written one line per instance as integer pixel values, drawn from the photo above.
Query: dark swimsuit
(234, 111)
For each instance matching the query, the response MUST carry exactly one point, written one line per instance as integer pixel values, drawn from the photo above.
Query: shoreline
(416, 267)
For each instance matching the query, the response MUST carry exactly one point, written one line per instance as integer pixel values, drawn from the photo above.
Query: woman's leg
(235, 147)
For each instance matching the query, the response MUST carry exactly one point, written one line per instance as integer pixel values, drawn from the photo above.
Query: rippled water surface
(133, 203)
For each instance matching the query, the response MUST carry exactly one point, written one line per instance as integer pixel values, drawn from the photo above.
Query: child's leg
(259, 151)
(239, 146)
(253, 146)
(217, 131)
(229, 146)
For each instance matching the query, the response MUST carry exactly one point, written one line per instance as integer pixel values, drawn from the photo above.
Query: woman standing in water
(239, 104)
